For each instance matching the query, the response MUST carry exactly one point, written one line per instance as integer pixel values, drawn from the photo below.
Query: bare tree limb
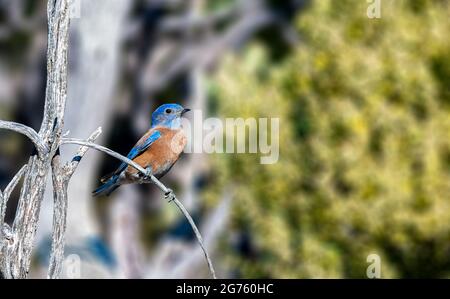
(197, 234)
(61, 176)
(4, 197)
(176, 258)
(17, 248)
(92, 84)
(105, 150)
(154, 180)
(27, 131)
(13, 183)
(56, 89)
(72, 165)
(60, 202)
(2, 212)
(3, 202)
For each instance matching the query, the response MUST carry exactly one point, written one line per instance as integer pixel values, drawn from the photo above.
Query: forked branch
(61, 175)
(18, 240)
(27, 131)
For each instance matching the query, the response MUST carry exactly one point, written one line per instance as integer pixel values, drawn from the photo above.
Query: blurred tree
(364, 145)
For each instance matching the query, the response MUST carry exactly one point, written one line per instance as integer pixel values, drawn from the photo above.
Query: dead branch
(27, 131)
(17, 243)
(4, 197)
(61, 176)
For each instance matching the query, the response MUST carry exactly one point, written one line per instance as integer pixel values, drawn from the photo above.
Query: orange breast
(163, 153)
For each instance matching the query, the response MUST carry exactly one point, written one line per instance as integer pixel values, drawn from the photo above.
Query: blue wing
(139, 149)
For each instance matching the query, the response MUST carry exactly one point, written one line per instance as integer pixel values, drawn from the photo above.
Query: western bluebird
(157, 150)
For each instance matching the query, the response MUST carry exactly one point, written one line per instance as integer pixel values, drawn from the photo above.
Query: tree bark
(18, 243)
(95, 43)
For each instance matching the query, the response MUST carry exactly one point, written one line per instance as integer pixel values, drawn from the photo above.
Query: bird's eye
(168, 111)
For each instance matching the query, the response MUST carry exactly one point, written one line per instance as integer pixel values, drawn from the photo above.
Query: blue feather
(137, 150)
(108, 187)
(112, 184)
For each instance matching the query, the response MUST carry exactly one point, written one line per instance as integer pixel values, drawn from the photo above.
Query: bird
(157, 151)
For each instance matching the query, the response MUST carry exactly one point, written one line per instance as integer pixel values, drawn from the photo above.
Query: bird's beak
(185, 110)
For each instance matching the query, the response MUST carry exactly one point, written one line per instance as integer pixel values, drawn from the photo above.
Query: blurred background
(364, 108)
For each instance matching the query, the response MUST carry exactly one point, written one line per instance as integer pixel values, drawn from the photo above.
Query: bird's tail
(108, 187)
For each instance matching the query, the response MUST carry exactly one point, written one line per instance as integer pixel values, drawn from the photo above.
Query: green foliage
(364, 162)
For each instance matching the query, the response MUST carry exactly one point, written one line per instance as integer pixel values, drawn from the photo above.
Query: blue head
(168, 115)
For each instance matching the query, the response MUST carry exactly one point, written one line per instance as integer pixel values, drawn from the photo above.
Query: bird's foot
(169, 195)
